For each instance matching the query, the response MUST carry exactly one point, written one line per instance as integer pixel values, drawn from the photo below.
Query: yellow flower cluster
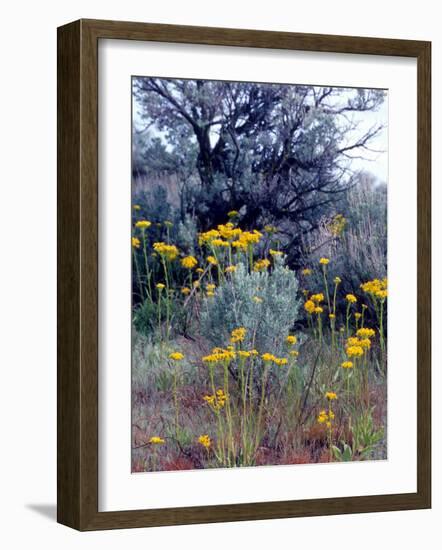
(229, 231)
(309, 306)
(205, 441)
(155, 440)
(325, 417)
(208, 236)
(378, 288)
(238, 335)
(210, 289)
(230, 268)
(306, 271)
(212, 260)
(275, 252)
(136, 242)
(176, 356)
(185, 290)
(317, 298)
(331, 395)
(291, 340)
(354, 351)
(168, 251)
(223, 235)
(270, 358)
(247, 238)
(351, 298)
(232, 214)
(217, 400)
(260, 265)
(143, 224)
(324, 261)
(219, 355)
(347, 365)
(189, 262)
(365, 332)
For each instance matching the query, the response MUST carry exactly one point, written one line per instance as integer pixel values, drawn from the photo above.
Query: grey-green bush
(265, 303)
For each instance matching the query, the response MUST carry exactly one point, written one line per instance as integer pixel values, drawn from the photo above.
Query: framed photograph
(243, 274)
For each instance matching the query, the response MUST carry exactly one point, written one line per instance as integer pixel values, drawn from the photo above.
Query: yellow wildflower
(212, 260)
(160, 286)
(382, 294)
(365, 332)
(318, 310)
(294, 353)
(358, 315)
(324, 261)
(291, 340)
(332, 316)
(219, 355)
(306, 271)
(347, 365)
(143, 224)
(217, 400)
(331, 395)
(208, 236)
(199, 270)
(322, 417)
(275, 252)
(309, 306)
(136, 207)
(280, 361)
(230, 268)
(204, 440)
(267, 357)
(337, 280)
(232, 214)
(351, 298)
(354, 351)
(189, 262)
(196, 284)
(260, 265)
(185, 290)
(317, 298)
(244, 354)
(168, 251)
(257, 299)
(176, 356)
(365, 343)
(136, 242)
(238, 335)
(155, 440)
(375, 287)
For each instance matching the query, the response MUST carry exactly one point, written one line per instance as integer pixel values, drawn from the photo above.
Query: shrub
(265, 303)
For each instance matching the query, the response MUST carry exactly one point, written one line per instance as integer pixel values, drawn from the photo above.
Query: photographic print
(259, 274)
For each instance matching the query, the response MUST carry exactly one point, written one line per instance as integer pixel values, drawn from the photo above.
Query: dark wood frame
(78, 274)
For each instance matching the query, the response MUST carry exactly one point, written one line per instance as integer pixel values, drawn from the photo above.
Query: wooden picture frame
(78, 274)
